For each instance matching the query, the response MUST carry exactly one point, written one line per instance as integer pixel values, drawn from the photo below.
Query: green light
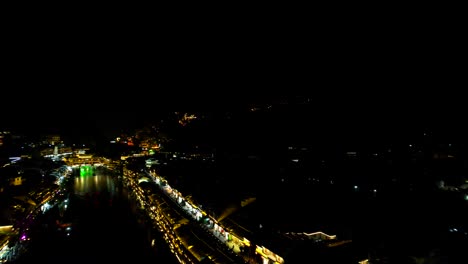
(86, 170)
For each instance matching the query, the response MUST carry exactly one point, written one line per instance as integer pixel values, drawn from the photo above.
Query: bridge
(81, 160)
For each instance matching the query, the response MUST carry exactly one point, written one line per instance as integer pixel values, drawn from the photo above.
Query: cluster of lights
(49, 200)
(166, 225)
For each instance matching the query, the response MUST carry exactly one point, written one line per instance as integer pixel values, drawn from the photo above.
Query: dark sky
(90, 110)
(116, 106)
(91, 71)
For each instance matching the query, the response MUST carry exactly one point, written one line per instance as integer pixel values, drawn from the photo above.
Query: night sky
(112, 76)
(358, 103)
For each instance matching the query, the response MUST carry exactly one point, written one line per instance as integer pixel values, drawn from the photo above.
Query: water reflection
(94, 182)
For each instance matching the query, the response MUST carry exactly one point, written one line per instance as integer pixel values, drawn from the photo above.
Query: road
(102, 228)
